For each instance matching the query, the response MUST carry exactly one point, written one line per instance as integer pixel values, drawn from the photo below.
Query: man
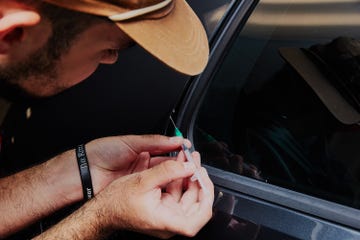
(46, 47)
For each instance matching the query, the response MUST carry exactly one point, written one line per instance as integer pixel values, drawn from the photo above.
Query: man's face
(39, 72)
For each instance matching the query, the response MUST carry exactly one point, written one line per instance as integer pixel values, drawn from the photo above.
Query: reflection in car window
(284, 106)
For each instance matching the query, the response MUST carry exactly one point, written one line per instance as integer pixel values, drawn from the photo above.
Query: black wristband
(84, 172)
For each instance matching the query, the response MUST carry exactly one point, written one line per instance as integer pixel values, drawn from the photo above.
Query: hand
(160, 201)
(114, 157)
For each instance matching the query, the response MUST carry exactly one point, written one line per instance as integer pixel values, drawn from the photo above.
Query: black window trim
(193, 93)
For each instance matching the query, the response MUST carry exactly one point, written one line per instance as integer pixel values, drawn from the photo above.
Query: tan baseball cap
(167, 29)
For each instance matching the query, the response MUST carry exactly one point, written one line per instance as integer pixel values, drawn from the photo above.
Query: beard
(36, 76)
(37, 72)
(39, 66)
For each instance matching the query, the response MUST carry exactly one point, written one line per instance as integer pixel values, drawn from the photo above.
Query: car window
(283, 107)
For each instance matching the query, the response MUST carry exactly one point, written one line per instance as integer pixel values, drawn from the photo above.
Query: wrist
(84, 171)
(109, 209)
(64, 177)
(87, 222)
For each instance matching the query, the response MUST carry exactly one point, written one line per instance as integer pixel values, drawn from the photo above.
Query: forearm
(88, 222)
(37, 192)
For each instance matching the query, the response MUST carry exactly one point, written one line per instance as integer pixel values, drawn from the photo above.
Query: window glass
(284, 106)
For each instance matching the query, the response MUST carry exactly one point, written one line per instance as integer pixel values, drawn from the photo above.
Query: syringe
(189, 158)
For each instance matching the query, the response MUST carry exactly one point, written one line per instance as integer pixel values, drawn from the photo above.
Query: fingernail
(187, 143)
(193, 178)
(176, 139)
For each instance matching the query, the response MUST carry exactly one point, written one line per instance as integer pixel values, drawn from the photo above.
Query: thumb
(154, 144)
(167, 172)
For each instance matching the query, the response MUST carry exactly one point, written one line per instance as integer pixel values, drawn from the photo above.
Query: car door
(284, 167)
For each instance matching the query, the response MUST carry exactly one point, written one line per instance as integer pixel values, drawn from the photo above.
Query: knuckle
(151, 137)
(191, 231)
(138, 180)
(169, 166)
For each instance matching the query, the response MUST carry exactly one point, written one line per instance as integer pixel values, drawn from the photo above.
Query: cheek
(77, 71)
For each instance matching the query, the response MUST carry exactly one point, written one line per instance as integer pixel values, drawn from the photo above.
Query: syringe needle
(189, 158)
(197, 173)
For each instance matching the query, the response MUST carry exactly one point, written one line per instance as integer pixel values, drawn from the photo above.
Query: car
(283, 159)
(268, 120)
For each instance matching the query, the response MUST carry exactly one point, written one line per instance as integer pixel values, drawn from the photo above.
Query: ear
(13, 20)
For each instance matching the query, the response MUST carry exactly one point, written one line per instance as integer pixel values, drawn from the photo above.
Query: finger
(187, 143)
(190, 196)
(141, 163)
(208, 194)
(166, 172)
(192, 193)
(157, 160)
(196, 157)
(191, 221)
(175, 188)
(200, 211)
(154, 144)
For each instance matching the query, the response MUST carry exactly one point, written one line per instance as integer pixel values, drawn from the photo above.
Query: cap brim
(327, 93)
(178, 39)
